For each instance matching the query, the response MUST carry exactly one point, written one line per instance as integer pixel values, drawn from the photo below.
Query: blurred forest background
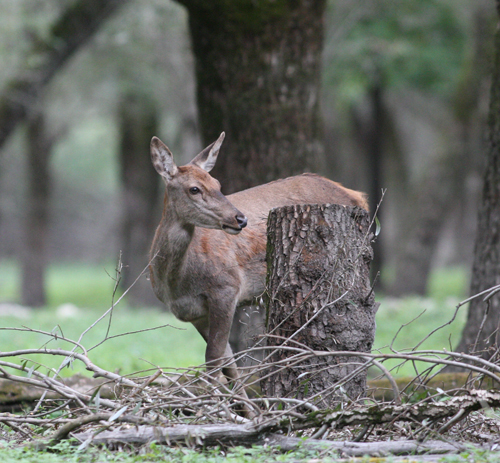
(404, 100)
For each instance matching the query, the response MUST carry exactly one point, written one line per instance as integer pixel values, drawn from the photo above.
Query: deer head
(193, 195)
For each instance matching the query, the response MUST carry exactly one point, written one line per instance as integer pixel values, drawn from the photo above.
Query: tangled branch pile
(187, 409)
(425, 415)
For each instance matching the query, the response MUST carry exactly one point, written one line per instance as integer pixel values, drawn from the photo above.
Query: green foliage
(415, 43)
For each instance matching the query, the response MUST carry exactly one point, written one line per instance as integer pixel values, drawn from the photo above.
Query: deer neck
(170, 247)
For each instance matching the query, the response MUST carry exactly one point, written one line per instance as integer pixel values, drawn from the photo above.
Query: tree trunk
(371, 127)
(246, 332)
(34, 252)
(486, 267)
(320, 296)
(258, 79)
(429, 201)
(138, 123)
(75, 26)
(376, 161)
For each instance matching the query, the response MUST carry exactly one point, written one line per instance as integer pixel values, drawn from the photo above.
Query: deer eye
(194, 190)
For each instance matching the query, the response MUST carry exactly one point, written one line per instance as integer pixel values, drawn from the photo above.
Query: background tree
(258, 78)
(34, 252)
(138, 123)
(86, 95)
(486, 268)
(74, 27)
(440, 190)
(393, 87)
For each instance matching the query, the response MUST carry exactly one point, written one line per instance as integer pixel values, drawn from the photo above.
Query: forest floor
(73, 307)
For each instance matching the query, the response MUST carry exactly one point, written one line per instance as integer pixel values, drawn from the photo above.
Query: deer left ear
(207, 158)
(162, 159)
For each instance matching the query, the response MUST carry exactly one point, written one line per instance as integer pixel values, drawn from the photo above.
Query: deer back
(240, 259)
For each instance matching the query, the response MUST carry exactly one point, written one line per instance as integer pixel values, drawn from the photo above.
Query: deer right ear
(206, 159)
(162, 159)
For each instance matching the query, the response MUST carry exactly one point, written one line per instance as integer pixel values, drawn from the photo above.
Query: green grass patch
(449, 282)
(9, 281)
(78, 295)
(405, 322)
(175, 346)
(85, 285)
(90, 288)
(82, 284)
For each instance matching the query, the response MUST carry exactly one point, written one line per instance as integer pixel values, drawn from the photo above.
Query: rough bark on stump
(319, 294)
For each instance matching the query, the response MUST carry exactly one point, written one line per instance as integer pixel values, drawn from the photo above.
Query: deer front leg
(214, 357)
(215, 330)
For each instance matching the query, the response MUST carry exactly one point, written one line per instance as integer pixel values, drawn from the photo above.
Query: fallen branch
(15, 393)
(359, 449)
(257, 430)
(390, 413)
(211, 435)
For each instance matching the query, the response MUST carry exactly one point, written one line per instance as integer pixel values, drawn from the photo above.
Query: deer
(208, 254)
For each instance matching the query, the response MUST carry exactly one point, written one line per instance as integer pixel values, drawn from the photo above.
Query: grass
(64, 452)
(72, 308)
(405, 322)
(179, 345)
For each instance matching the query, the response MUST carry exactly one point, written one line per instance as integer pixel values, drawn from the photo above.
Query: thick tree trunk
(320, 296)
(34, 252)
(76, 25)
(138, 123)
(258, 78)
(258, 69)
(486, 267)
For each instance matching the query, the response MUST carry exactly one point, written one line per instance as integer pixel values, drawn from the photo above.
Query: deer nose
(242, 221)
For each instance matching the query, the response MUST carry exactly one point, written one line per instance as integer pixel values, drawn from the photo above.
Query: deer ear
(162, 159)
(207, 158)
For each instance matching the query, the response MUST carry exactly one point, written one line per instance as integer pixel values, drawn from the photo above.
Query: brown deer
(201, 273)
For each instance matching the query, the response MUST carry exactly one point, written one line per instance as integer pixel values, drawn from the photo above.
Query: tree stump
(319, 295)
